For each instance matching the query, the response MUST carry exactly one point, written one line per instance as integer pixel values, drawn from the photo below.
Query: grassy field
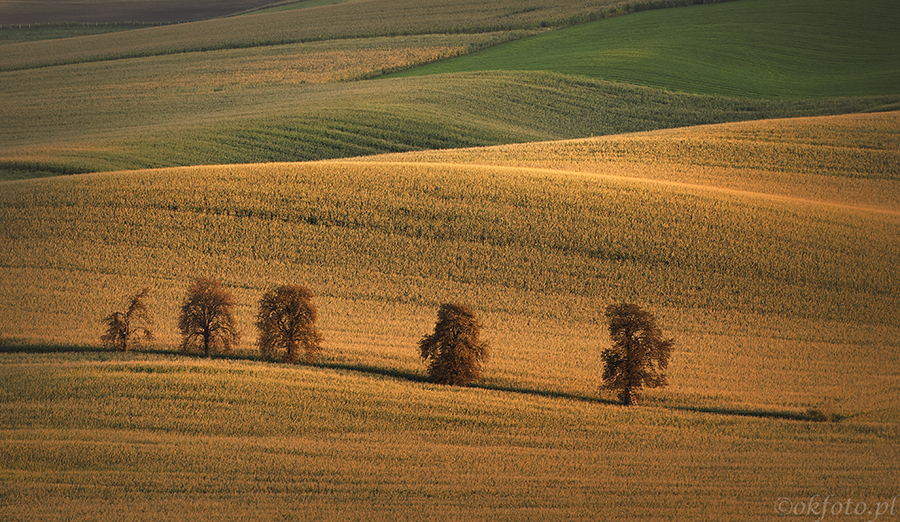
(151, 436)
(779, 304)
(844, 160)
(262, 102)
(798, 49)
(338, 21)
(227, 109)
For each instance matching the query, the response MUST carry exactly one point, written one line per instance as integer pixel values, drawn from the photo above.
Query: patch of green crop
(133, 119)
(760, 49)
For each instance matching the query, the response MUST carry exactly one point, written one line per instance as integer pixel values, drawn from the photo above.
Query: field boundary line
(631, 179)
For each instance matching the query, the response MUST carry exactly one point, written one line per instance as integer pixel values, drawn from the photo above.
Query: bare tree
(287, 324)
(207, 320)
(454, 352)
(123, 329)
(639, 354)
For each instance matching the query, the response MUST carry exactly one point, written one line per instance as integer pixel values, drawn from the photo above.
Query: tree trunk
(628, 397)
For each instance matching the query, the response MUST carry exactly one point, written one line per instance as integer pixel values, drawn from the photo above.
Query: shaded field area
(338, 21)
(93, 11)
(133, 119)
(179, 95)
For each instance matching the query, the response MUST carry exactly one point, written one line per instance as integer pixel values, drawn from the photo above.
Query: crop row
(124, 118)
(347, 20)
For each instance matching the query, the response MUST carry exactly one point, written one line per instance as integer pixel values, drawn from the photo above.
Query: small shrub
(286, 323)
(454, 351)
(123, 329)
(207, 320)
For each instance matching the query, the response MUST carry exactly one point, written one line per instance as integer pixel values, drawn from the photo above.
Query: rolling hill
(781, 300)
(761, 228)
(172, 104)
(760, 49)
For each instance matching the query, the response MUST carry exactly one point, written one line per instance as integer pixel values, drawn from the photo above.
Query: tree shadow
(393, 373)
(547, 394)
(744, 412)
(17, 346)
(812, 415)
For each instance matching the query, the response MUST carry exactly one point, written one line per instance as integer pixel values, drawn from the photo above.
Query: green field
(799, 49)
(766, 247)
(250, 100)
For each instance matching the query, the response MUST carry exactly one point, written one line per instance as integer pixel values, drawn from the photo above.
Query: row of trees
(285, 319)
(454, 352)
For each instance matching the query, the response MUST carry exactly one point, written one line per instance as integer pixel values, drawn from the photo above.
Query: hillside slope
(215, 102)
(841, 160)
(384, 242)
(328, 22)
(783, 309)
(138, 121)
(46, 11)
(761, 49)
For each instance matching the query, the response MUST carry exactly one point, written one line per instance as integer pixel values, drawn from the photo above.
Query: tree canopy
(207, 319)
(286, 323)
(639, 355)
(454, 351)
(123, 329)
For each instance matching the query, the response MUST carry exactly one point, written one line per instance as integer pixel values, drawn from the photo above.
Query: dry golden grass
(777, 305)
(537, 251)
(131, 437)
(849, 159)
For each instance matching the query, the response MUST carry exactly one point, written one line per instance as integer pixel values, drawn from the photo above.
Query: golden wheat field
(782, 298)
(766, 248)
(384, 243)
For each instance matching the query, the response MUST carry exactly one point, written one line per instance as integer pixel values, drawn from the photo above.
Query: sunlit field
(779, 306)
(757, 219)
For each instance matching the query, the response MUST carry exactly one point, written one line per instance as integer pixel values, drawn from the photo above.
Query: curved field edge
(346, 20)
(59, 131)
(847, 159)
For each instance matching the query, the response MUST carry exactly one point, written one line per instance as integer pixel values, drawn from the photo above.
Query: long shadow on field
(393, 373)
(547, 394)
(758, 413)
(16, 346)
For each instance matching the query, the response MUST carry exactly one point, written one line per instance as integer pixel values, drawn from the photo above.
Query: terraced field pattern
(732, 167)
